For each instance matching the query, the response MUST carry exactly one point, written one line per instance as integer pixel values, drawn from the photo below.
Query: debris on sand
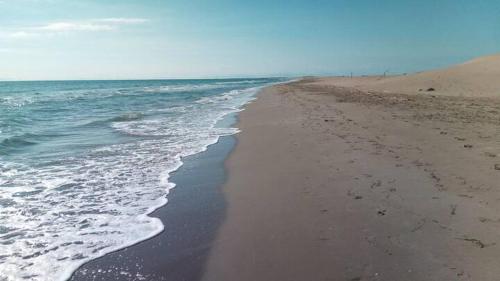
(478, 243)
(453, 209)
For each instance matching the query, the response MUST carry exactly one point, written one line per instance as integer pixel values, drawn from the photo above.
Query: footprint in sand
(377, 183)
(353, 195)
(487, 220)
(489, 154)
(382, 212)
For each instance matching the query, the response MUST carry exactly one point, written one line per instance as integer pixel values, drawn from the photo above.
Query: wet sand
(333, 182)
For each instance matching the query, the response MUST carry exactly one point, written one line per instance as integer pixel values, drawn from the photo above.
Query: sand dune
(476, 78)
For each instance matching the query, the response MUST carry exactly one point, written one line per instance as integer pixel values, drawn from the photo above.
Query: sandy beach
(367, 178)
(249, 140)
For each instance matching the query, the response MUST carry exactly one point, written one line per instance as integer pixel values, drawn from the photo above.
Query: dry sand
(476, 78)
(335, 181)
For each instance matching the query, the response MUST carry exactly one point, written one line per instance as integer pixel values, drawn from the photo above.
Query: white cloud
(12, 51)
(122, 20)
(54, 28)
(72, 26)
(20, 34)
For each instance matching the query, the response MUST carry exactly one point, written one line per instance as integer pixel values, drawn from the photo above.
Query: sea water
(83, 163)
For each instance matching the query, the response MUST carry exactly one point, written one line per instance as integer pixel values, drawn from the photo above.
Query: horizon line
(153, 79)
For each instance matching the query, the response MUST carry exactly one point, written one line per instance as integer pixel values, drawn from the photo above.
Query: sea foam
(63, 210)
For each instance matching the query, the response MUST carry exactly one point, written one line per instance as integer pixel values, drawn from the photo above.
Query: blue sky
(141, 39)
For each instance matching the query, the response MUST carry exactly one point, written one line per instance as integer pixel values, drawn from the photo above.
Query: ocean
(83, 163)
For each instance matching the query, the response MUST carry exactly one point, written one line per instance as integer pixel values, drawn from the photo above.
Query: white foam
(197, 87)
(59, 216)
(182, 88)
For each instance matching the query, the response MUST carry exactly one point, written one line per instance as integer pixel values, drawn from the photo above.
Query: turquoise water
(82, 163)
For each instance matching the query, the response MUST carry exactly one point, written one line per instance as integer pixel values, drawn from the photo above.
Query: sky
(155, 39)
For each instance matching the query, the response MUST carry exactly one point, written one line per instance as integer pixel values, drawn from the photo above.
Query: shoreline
(163, 252)
(332, 183)
(195, 209)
